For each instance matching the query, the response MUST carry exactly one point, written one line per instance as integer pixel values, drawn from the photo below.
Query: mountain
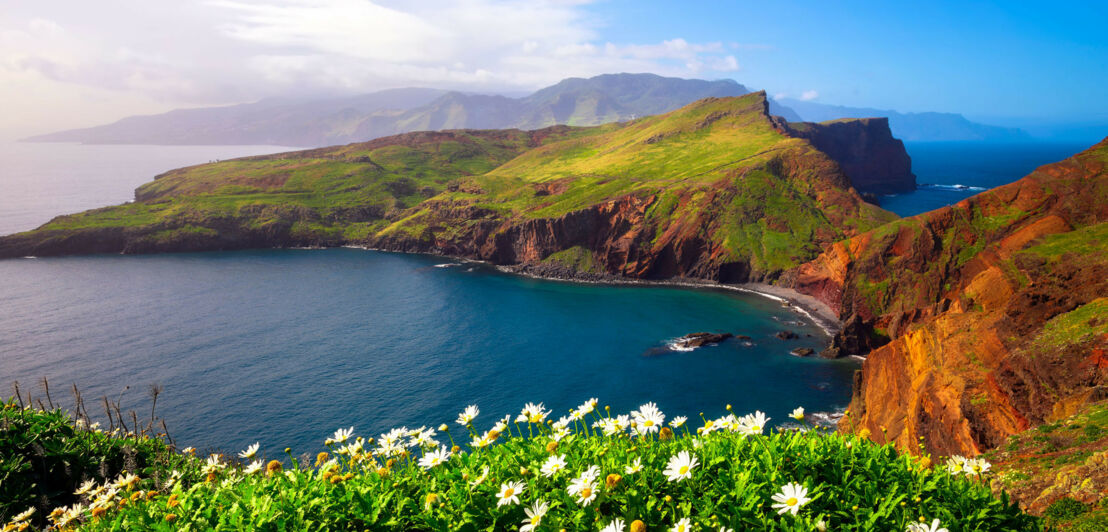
(978, 320)
(717, 190)
(282, 122)
(910, 126)
(574, 101)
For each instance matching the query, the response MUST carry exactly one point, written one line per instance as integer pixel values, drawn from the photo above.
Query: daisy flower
(648, 418)
(534, 516)
(956, 464)
(588, 406)
(635, 466)
(920, 527)
(480, 479)
(677, 421)
(976, 466)
(684, 525)
(435, 457)
(553, 465)
(250, 451)
(535, 413)
(753, 424)
(85, 488)
(509, 493)
(342, 435)
(188, 450)
(24, 515)
(615, 526)
(254, 467)
(465, 418)
(797, 413)
(584, 487)
(680, 467)
(791, 497)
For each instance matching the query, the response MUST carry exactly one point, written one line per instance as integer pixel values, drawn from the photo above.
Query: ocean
(285, 346)
(949, 172)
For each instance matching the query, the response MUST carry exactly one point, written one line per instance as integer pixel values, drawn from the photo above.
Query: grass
(1085, 323)
(716, 171)
(388, 484)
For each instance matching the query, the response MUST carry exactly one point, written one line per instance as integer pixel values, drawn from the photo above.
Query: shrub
(577, 474)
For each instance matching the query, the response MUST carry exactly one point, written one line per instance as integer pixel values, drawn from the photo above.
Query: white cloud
(202, 52)
(809, 95)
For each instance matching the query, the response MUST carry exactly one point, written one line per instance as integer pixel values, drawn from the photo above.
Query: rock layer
(976, 318)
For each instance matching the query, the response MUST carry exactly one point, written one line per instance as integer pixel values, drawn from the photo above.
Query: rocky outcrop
(959, 310)
(700, 339)
(875, 161)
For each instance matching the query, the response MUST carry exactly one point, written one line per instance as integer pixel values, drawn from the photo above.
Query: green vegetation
(1083, 244)
(582, 472)
(1085, 323)
(576, 258)
(715, 172)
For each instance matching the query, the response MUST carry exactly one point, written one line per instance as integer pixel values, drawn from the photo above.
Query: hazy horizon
(66, 64)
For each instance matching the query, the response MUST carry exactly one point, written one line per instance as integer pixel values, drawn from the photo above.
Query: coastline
(805, 305)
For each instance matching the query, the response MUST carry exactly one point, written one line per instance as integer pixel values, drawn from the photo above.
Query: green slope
(712, 186)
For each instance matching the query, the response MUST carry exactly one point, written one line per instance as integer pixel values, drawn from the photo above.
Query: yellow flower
(169, 518)
(320, 458)
(638, 526)
(612, 480)
(273, 467)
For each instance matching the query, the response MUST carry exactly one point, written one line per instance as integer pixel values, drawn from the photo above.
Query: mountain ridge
(316, 123)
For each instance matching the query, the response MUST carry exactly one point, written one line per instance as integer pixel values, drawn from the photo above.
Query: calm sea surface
(285, 346)
(949, 172)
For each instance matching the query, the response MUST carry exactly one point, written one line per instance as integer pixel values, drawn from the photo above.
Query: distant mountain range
(910, 126)
(573, 101)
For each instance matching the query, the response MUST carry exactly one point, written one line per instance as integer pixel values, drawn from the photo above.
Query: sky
(75, 63)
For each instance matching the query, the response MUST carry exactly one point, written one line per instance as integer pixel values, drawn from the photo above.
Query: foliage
(391, 483)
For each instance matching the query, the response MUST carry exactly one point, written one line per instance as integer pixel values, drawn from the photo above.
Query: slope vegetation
(716, 190)
(982, 319)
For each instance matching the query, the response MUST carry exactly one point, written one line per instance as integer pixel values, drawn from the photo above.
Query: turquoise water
(285, 346)
(949, 172)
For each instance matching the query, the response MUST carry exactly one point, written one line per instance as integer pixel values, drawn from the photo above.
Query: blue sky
(73, 63)
(988, 59)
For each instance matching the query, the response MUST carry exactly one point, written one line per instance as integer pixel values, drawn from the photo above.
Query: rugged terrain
(716, 190)
(979, 320)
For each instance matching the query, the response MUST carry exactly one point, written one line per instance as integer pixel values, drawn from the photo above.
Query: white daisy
(254, 467)
(680, 466)
(791, 497)
(509, 493)
(481, 478)
(553, 465)
(584, 487)
(797, 413)
(684, 525)
(677, 421)
(534, 516)
(588, 406)
(341, 435)
(976, 466)
(754, 424)
(23, 516)
(648, 418)
(920, 527)
(615, 526)
(534, 413)
(956, 464)
(433, 458)
(465, 418)
(635, 466)
(250, 451)
(85, 488)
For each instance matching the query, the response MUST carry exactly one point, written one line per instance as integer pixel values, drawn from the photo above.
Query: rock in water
(802, 351)
(786, 335)
(701, 339)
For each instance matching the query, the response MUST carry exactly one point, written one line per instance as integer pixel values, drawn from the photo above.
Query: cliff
(866, 149)
(982, 319)
(715, 190)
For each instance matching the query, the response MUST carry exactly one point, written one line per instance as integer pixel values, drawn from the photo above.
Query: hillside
(982, 319)
(306, 123)
(929, 126)
(716, 190)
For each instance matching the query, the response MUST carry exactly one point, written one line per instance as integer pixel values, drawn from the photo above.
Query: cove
(285, 346)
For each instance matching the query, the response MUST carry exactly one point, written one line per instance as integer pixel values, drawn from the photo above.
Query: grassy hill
(714, 190)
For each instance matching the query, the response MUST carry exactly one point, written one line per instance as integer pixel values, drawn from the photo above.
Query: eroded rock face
(969, 299)
(874, 160)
